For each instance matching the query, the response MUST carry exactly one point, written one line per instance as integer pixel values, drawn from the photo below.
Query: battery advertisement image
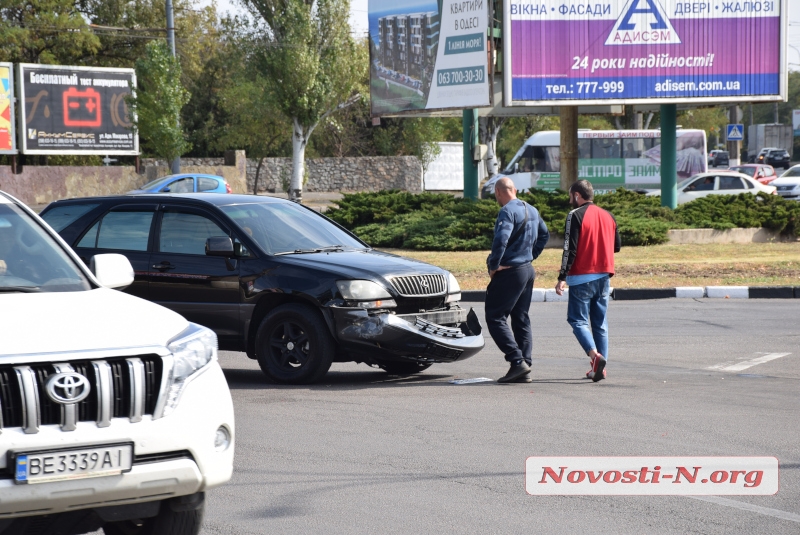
(7, 145)
(615, 51)
(428, 55)
(76, 110)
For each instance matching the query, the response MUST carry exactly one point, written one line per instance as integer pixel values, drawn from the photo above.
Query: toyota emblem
(68, 387)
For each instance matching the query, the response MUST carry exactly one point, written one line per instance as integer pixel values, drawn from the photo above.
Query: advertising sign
(649, 51)
(428, 55)
(7, 139)
(796, 122)
(76, 110)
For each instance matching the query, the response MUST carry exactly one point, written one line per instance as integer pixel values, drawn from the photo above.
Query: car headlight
(192, 350)
(367, 294)
(453, 289)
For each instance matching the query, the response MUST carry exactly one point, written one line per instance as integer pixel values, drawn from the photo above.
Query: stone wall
(37, 185)
(366, 173)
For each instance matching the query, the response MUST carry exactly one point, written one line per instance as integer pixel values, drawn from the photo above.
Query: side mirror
(165, 189)
(219, 246)
(112, 270)
(516, 167)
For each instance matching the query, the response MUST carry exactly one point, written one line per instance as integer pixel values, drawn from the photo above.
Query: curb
(541, 295)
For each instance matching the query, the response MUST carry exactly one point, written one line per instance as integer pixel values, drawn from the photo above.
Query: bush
(441, 222)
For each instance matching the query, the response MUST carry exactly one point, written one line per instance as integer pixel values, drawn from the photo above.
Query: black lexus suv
(288, 286)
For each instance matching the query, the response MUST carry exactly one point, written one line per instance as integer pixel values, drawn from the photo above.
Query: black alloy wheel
(404, 368)
(293, 345)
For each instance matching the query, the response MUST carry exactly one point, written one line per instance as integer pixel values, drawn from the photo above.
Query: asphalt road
(365, 453)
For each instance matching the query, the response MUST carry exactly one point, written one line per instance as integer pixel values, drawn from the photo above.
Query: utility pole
(669, 156)
(569, 146)
(176, 163)
(469, 125)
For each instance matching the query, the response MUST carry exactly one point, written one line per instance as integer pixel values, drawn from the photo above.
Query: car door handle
(163, 265)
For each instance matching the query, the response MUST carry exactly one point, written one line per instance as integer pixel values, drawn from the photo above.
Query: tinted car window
(206, 184)
(730, 182)
(127, 231)
(62, 216)
(30, 260)
(186, 233)
(280, 228)
(701, 184)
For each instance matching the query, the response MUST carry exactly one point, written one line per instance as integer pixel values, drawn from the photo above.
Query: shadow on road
(239, 379)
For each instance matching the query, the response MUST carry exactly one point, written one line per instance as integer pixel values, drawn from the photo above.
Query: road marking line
(777, 513)
(750, 363)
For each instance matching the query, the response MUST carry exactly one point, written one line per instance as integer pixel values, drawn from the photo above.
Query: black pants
(509, 294)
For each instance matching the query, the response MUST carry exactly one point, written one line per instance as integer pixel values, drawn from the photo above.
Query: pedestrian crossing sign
(735, 132)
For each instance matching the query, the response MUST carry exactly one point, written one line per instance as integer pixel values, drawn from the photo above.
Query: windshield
(749, 171)
(157, 183)
(794, 171)
(30, 260)
(287, 227)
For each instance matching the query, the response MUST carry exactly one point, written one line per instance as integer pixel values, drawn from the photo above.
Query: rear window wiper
(22, 289)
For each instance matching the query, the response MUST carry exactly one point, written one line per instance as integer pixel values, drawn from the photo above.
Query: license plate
(79, 463)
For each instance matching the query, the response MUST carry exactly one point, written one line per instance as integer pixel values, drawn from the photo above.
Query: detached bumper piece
(411, 336)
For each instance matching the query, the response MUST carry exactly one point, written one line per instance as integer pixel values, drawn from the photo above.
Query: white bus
(609, 159)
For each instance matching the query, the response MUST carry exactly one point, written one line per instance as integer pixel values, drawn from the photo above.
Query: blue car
(187, 183)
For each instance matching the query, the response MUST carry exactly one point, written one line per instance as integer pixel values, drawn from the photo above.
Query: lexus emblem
(68, 387)
(424, 283)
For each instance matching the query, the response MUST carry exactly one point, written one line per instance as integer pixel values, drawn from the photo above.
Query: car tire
(293, 345)
(404, 368)
(172, 519)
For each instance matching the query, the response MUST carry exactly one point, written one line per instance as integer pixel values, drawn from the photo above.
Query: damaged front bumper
(418, 337)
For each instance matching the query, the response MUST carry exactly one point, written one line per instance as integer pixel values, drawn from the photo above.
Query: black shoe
(523, 379)
(516, 371)
(599, 366)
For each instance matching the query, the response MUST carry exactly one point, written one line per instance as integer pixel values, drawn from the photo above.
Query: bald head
(504, 191)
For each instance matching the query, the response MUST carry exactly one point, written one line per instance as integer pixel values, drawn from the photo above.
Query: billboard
(428, 55)
(644, 51)
(7, 139)
(75, 110)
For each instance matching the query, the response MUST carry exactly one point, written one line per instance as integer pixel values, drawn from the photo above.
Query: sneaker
(523, 379)
(598, 368)
(590, 374)
(517, 370)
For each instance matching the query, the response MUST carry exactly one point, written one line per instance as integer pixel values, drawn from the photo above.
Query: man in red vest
(591, 238)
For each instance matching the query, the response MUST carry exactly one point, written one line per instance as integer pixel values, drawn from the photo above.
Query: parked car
(277, 280)
(718, 158)
(186, 184)
(763, 173)
(114, 412)
(774, 157)
(788, 184)
(717, 183)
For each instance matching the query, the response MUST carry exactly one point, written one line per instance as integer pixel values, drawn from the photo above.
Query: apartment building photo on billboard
(407, 64)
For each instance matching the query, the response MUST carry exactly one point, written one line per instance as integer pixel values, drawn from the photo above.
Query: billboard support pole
(669, 156)
(469, 124)
(176, 163)
(569, 146)
(734, 147)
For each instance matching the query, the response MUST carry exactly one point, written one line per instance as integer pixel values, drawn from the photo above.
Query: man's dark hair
(584, 188)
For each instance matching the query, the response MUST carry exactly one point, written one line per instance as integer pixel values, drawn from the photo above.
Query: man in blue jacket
(519, 238)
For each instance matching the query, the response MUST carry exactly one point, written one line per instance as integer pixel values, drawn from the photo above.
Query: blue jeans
(588, 303)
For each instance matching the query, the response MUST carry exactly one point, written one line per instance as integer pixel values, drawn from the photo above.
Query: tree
(309, 63)
(44, 31)
(158, 100)
(489, 129)
(411, 137)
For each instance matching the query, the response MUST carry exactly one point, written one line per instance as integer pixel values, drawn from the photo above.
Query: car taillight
(228, 188)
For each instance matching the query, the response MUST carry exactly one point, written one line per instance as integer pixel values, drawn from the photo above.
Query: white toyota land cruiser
(114, 411)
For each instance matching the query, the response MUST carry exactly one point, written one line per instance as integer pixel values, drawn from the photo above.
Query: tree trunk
(299, 142)
(258, 172)
(492, 165)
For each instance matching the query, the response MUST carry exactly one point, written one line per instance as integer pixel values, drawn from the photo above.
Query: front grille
(419, 285)
(785, 188)
(120, 388)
